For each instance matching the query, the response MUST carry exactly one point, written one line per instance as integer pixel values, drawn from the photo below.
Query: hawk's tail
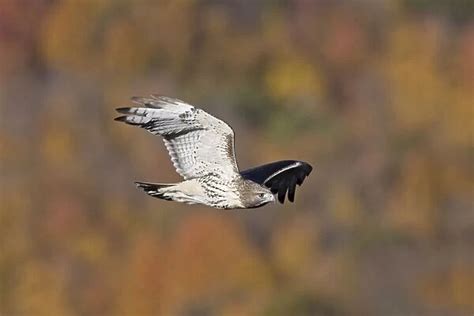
(158, 190)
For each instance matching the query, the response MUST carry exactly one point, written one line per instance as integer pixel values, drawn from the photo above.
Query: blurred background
(376, 95)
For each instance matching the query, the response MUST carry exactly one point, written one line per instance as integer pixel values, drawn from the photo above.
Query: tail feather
(157, 190)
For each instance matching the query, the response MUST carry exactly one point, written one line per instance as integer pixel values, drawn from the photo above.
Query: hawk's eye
(261, 195)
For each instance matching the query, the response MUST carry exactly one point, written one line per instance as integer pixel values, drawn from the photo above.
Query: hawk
(201, 147)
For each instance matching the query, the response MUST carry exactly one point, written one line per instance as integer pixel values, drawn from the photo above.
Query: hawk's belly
(220, 192)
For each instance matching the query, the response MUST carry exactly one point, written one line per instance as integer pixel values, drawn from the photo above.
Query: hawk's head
(254, 195)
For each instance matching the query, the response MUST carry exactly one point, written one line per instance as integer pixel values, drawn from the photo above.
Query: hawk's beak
(272, 199)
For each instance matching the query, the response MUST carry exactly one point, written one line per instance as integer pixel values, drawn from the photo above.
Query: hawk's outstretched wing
(280, 176)
(198, 143)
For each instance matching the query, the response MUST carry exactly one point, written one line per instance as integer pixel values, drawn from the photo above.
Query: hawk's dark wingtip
(122, 118)
(123, 110)
(308, 167)
(281, 177)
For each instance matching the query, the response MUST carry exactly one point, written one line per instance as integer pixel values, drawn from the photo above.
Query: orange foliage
(377, 95)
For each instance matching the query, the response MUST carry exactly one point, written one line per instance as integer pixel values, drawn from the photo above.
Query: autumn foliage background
(376, 95)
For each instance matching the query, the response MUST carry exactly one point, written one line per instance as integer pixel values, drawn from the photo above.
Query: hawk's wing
(280, 176)
(198, 143)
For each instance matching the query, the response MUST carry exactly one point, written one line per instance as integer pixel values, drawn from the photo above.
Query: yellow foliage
(345, 206)
(40, 291)
(143, 278)
(126, 50)
(452, 287)
(293, 77)
(418, 91)
(376, 96)
(457, 121)
(91, 247)
(57, 147)
(413, 206)
(71, 36)
(295, 248)
(209, 259)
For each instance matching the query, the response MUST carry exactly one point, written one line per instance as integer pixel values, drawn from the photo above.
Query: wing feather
(280, 177)
(291, 189)
(198, 143)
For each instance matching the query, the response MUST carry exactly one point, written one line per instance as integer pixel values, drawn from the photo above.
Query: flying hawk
(202, 151)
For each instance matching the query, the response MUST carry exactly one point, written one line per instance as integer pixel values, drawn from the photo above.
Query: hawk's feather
(280, 176)
(202, 151)
(197, 142)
